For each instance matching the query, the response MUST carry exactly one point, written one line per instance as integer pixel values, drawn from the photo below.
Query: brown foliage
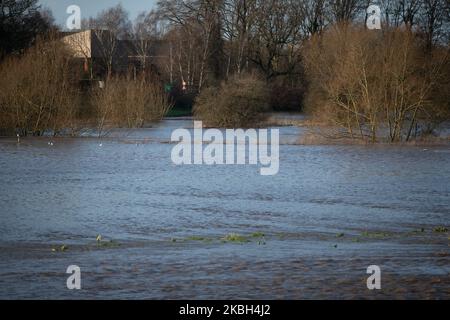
(39, 90)
(373, 84)
(130, 103)
(41, 93)
(237, 103)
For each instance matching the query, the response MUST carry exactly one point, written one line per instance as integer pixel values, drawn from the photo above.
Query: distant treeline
(240, 58)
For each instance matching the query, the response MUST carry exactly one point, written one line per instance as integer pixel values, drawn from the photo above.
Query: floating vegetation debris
(100, 243)
(376, 235)
(196, 238)
(106, 243)
(440, 229)
(257, 235)
(62, 248)
(234, 237)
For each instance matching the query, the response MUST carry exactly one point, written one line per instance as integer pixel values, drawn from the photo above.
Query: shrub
(237, 103)
(39, 90)
(373, 84)
(130, 103)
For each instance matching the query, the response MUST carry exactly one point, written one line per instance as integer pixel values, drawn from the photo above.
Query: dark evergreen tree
(20, 22)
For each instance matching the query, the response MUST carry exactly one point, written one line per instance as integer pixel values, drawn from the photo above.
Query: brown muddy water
(309, 232)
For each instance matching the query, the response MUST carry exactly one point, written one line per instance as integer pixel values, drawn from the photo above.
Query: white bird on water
(18, 138)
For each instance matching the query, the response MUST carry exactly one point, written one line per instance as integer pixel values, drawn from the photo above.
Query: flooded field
(219, 232)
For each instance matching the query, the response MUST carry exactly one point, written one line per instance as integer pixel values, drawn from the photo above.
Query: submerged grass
(198, 238)
(380, 235)
(100, 243)
(234, 237)
(258, 237)
(364, 236)
(440, 229)
(108, 244)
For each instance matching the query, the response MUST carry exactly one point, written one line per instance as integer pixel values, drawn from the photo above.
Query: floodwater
(309, 232)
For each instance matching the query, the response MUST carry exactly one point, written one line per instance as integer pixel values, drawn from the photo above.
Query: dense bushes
(375, 84)
(130, 103)
(39, 90)
(41, 93)
(237, 103)
(370, 85)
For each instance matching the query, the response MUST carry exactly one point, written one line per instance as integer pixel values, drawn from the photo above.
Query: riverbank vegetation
(239, 102)
(230, 61)
(376, 85)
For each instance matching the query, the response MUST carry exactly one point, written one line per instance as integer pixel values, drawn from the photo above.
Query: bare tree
(344, 10)
(364, 91)
(199, 20)
(276, 42)
(409, 10)
(80, 45)
(146, 31)
(314, 13)
(109, 27)
(239, 21)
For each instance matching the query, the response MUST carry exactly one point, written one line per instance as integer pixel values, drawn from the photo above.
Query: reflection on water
(310, 232)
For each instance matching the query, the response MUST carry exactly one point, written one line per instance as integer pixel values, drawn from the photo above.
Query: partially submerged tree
(39, 89)
(128, 102)
(373, 85)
